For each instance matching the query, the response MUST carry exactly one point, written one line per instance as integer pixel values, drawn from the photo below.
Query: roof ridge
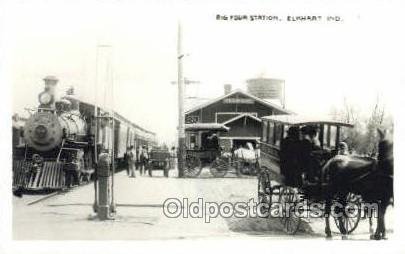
(238, 90)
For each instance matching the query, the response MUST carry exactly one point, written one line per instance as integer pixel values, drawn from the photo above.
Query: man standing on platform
(144, 158)
(131, 161)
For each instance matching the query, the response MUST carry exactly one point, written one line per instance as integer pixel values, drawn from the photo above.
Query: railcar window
(286, 127)
(344, 133)
(270, 133)
(326, 135)
(278, 131)
(333, 131)
(264, 131)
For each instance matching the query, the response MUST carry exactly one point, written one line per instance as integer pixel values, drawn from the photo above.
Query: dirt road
(140, 212)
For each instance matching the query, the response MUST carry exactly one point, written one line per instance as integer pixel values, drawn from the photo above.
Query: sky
(321, 62)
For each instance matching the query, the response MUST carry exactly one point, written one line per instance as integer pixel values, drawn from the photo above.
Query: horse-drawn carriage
(273, 185)
(200, 154)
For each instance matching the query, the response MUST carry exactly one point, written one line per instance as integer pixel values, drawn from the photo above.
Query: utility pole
(180, 81)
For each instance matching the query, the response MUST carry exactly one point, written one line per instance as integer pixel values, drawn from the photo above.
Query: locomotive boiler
(44, 131)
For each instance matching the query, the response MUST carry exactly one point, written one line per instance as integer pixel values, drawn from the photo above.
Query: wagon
(198, 155)
(272, 185)
(159, 160)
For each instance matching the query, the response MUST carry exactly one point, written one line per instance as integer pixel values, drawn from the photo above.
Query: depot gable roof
(238, 91)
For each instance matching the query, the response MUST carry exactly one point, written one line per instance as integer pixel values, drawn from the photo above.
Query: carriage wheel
(255, 168)
(193, 167)
(264, 191)
(351, 214)
(219, 167)
(289, 198)
(237, 166)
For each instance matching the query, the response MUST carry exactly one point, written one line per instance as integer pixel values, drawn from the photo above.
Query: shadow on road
(265, 226)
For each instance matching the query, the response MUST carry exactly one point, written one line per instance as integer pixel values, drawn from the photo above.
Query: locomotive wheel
(351, 214)
(289, 198)
(219, 167)
(80, 175)
(193, 167)
(79, 178)
(86, 177)
(264, 191)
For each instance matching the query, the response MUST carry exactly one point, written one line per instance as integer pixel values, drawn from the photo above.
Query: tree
(375, 121)
(354, 137)
(363, 138)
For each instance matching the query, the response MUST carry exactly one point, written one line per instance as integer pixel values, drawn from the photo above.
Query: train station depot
(237, 111)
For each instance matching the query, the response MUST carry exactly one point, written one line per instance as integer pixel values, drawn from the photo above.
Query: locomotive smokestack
(47, 97)
(50, 84)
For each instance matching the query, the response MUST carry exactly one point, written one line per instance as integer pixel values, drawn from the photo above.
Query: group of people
(137, 159)
(298, 155)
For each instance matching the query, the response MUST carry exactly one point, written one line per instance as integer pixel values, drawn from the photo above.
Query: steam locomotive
(65, 132)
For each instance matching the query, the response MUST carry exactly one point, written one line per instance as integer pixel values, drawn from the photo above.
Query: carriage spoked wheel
(290, 219)
(264, 191)
(219, 167)
(349, 213)
(193, 167)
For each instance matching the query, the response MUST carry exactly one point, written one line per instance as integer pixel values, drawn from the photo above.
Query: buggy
(272, 185)
(199, 156)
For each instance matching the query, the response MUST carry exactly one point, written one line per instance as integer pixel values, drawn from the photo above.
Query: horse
(369, 178)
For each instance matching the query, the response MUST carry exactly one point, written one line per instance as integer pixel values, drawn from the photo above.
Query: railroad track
(60, 192)
(55, 193)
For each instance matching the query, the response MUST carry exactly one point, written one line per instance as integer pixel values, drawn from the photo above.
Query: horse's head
(385, 152)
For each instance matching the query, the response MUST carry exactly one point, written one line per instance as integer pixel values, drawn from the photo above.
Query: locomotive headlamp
(45, 98)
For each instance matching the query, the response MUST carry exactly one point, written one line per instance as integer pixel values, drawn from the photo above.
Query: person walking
(126, 159)
(144, 158)
(131, 161)
(137, 161)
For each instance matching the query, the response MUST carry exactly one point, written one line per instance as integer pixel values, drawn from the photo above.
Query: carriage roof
(206, 126)
(304, 120)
